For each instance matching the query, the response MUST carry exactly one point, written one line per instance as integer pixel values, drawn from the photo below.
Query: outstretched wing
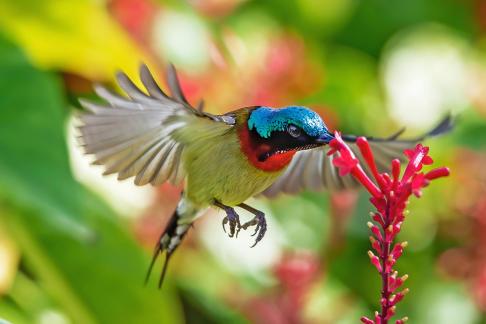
(133, 136)
(314, 170)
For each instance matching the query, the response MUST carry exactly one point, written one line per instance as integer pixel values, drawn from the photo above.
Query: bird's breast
(254, 152)
(219, 170)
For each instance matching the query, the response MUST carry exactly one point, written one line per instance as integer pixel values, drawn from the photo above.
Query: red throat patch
(252, 151)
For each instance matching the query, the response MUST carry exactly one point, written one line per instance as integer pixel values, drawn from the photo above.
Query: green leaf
(75, 248)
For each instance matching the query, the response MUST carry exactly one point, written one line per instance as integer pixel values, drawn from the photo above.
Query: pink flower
(389, 195)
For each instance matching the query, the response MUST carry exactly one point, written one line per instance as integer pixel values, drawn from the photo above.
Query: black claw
(260, 229)
(261, 233)
(256, 230)
(225, 221)
(233, 220)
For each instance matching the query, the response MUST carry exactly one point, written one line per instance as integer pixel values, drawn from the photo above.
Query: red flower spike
(391, 312)
(375, 230)
(418, 182)
(437, 173)
(409, 153)
(361, 176)
(398, 282)
(390, 199)
(387, 179)
(379, 203)
(345, 166)
(335, 143)
(347, 162)
(375, 245)
(391, 282)
(383, 302)
(365, 150)
(396, 170)
(378, 318)
(427, 160)
(416, 160)
(399, 296)
(389, 263)
(366, 320)
(377, 218)
(375, 261)
(397, 251)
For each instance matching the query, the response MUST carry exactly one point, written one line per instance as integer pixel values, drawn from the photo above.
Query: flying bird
(221, 160)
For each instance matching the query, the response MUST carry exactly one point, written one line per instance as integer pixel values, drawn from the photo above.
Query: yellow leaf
(77, 36)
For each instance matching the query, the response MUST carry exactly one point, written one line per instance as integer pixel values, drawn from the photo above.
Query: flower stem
(385, 274)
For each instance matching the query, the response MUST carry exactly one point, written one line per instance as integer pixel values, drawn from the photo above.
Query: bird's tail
(172, 236)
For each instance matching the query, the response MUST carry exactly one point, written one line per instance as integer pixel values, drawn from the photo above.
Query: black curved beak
(324, 139)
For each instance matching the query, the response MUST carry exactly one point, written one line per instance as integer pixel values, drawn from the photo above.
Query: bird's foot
(232, 219)
(261, 226)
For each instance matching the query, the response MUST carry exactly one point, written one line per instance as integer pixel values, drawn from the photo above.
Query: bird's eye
(293, 130)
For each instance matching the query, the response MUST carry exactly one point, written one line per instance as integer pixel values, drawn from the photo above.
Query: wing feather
(133, 136)
(314, 170)
(150, 167)
(164, 167)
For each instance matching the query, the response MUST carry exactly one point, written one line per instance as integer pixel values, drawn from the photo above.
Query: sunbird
(221, 160)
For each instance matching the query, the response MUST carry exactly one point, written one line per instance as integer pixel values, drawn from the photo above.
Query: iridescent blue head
(266, 120)
(288, 128)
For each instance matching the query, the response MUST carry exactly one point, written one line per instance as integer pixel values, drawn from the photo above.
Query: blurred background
(74, 246)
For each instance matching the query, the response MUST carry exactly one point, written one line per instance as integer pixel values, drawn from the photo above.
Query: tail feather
(172, 237)
(444, 126)
(161, 246)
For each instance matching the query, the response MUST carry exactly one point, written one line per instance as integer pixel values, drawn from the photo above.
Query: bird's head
(275, 135)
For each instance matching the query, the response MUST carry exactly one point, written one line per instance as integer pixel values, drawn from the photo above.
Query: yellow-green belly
(220, 171)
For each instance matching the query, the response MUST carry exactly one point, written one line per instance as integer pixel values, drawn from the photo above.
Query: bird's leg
(259, 220)
(231, 217)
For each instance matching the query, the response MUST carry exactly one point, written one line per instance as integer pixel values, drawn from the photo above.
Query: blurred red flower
(296, 274)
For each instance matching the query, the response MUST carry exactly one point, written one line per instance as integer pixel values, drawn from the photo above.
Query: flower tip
(366, 320)
(438, 173)
(370, 224)
(404, 277)
(405, 291)
(361, 140)
(404, 244)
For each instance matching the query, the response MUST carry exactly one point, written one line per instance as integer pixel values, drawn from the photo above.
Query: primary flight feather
(222, 160)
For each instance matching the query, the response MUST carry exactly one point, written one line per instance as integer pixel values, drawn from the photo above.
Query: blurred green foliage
(76, 248)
